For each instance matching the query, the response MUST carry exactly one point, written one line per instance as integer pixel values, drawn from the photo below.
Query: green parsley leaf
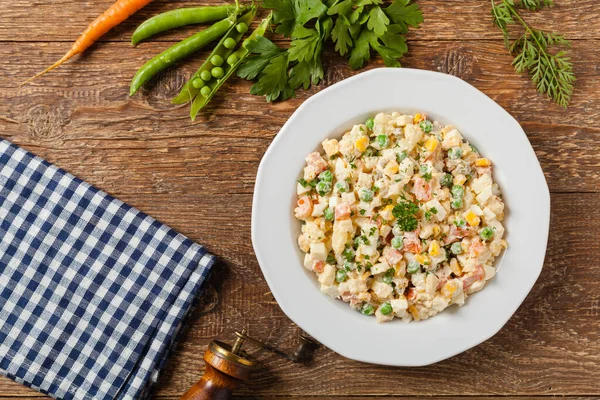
(309, 9)
(406, 212)
(362, 49)
(264, 50)
(284, 15)
(304, 73)
(273, 79)
(342, 8)
(341, 35)
(304, 43)
(303, 182)
(378, 21)
(403, 13)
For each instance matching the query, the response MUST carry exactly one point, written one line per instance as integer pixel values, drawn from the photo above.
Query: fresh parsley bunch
(551, 72)
(354, 26)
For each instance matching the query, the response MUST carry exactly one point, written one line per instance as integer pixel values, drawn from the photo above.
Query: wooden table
(199, 177)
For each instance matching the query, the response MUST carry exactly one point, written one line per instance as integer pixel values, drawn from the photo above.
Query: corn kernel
(391, 168)
(418, 118)
(431, 144)
(414, 312)
(472, 218)
(483, 162)
(449, 289)
(422, 259)
(460, 180)
(436, 230)
(434, 249)
(361, 143)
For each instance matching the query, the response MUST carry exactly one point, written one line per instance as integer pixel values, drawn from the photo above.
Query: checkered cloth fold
(92, 291)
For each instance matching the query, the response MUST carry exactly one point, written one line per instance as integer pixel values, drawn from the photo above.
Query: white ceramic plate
(484, 124)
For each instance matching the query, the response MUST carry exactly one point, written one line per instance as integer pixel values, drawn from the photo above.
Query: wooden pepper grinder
(228, 366)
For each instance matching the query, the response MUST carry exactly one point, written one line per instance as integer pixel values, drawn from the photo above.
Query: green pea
(455, 153)
(486, 233)
(323, 188)
(326, 176)
(232, 59)
(383, 141)
(205, 91)
(331, 259)
(217, 72)
(198, 83)
(349, 266)
(389, 276)
(367, 309)
(342, 187)
(348, 253)
(456, 204)
(370, 151)
(397, 242)
(205, 75)
(370, 123)
(229, 43)
(446, 180)
(246, 42)
(401, 156)
(366, 195)
(386, 308)
(328, 214)
(456, 248)
(241, 27)
(216, 60)
(426, 126)
(461, 223)
(413, 267)
(341, 275)
(457, 191)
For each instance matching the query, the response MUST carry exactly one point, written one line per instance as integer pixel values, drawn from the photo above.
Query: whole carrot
(113, 16)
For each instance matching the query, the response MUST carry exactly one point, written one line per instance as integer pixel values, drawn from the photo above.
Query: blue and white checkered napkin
(92, 291)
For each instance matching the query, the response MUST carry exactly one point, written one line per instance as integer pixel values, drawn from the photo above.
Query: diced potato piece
(382, 290)
(318, 251)
(484, 196)
(365, 180)
(327, 276)
(338, 241)
(399, 306)
(479, 184)
(300, 190)
(331, 146)
(452, 139)
(330, 290)
(380, 268)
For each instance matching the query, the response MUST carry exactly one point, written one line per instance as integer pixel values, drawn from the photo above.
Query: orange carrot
(117, 13)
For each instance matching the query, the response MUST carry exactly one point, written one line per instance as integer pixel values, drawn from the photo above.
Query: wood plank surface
(27, 20)
(199, 177)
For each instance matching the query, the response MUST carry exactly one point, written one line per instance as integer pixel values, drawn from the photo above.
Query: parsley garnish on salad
(406, 212)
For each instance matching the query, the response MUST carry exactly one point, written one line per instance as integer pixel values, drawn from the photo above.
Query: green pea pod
(200, 101)
(179, 51)
(188, 92)
(181, 17)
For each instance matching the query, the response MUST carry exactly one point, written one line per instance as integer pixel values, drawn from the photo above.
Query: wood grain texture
(199, 177)
(26, 20)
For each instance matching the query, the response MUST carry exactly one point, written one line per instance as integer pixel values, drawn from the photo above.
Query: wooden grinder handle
(224, 373)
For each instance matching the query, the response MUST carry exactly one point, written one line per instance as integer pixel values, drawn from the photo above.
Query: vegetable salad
(401, 217)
